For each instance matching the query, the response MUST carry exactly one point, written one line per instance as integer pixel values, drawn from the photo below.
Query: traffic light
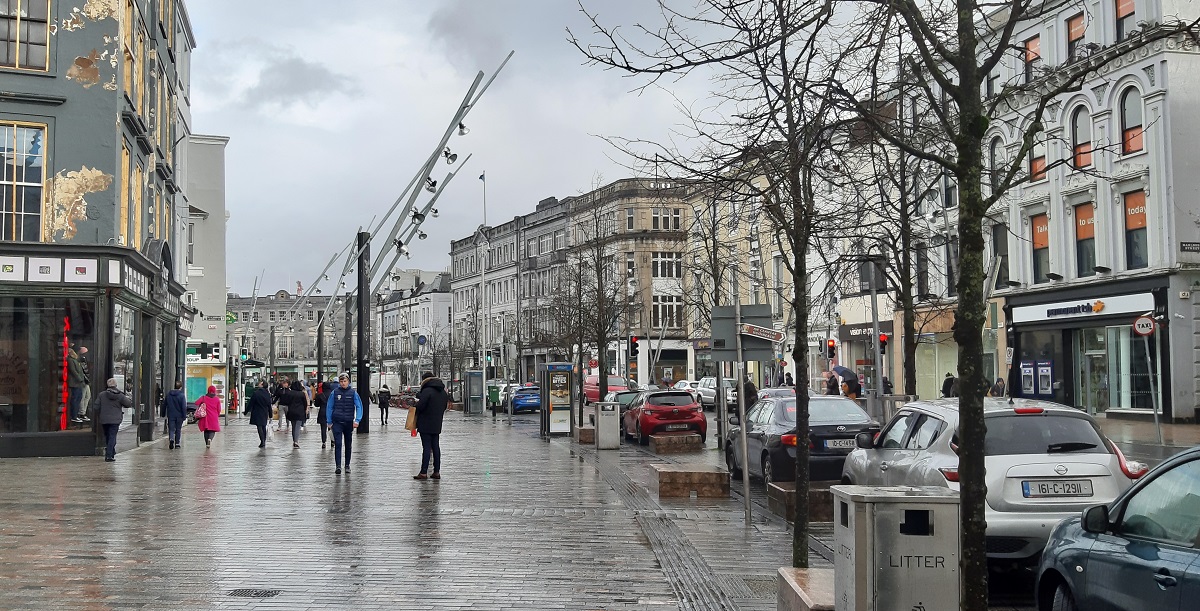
(489, 357)
(831, 348)
(245, 355)
(634, 348)
(883, 343)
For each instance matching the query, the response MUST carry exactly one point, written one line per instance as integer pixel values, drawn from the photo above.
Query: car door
(1143, 561)
(889, 445)
(632, 414)
(925, 430)
(759, 418)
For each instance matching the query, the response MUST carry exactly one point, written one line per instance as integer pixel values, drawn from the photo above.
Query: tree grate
(254, 593)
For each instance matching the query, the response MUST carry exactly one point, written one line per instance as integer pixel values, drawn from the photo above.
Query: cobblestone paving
(518, 522)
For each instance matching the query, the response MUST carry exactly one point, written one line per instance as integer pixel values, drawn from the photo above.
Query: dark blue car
(1140, 552)
(526, 398)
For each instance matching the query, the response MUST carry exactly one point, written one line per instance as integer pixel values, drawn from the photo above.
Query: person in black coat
(260, 411)
(321, 400)
(431, 407)
(297, 409)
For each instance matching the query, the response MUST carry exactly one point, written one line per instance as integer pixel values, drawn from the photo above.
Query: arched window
(994, 162)
(1037, 162)
(1081, 134)
(1131, 121)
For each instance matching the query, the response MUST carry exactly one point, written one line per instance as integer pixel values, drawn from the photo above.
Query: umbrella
(845, 373)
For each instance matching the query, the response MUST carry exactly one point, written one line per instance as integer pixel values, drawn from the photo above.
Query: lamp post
(364, 327)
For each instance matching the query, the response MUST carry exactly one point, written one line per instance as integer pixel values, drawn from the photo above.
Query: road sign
(593, 363)
(421, 339)
(724, 332)
(1144, 325)
(762, 332)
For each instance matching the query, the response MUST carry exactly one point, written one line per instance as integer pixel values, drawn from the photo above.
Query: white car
(691, 386)
(1044, 462)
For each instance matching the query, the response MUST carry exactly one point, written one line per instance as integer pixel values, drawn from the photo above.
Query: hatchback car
(707, 387)
(1142, 551)
(833, 423)
(591, 387)
(526, 398)
(664, 411)
(690, 386)
(1044, 462)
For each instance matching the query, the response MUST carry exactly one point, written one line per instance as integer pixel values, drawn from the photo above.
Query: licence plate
(676, 427)
(839, 444)
(1057, 488)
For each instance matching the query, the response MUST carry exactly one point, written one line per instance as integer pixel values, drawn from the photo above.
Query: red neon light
(66, 395)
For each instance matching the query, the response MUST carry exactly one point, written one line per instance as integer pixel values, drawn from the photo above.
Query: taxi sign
(1144, 325)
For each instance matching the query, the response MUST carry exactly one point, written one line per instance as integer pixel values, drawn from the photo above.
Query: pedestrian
(431, 407)
(998, 388)
(297, 410)
(751, 391)
(887, 386)
(851, 387)
(948, 385)
(77, 380)
(384, 396)
(831, 383)
(787, 379)
(343, 412)
(323, 392)
(175, 411)
(110, 410)
(280, 398)
(260, 411)
(956, 388)
(211, 422)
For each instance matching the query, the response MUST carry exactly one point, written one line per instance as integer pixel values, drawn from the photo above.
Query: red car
(591, 387)
(664, 411)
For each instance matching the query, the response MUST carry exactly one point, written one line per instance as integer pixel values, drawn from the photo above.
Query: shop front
(1079, 348)
(105, 312)
(856, 350)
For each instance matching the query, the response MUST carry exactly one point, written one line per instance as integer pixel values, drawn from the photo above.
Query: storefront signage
(702, 344)
(862, 331)
(1084, 308)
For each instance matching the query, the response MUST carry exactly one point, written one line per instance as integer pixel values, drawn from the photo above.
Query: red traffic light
(883, 337)
(831, 343)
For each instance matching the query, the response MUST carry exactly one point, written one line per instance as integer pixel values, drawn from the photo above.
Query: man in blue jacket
(175, 409)
(343, 412)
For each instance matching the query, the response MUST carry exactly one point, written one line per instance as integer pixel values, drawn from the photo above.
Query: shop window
(1126, 18)
(1076, 28)
(1136, 244)
(1131, 121)
(22, 180)
(25, 34)
(1033, 58)
(1037, 162)
(1081, 139)
(1041, 248)
(1000, 253)
(1085, 240)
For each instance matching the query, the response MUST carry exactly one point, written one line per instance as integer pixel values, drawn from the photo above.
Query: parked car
(506, 393)
(526, 398)
(707, 387)
(664, 411)
(782, 391)
(624, 397)
(591, 387)
(833, 424)
(690, 386)
(1141, 551)
(1044, 462)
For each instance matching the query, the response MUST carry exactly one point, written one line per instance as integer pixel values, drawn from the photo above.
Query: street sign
(1144, 325)
(762, 332)
(724, 334)
(421, 340)
(593, 363)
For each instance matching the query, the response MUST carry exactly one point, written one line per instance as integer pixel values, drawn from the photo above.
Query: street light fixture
(450, 157)
(431, 185)
(463, 129)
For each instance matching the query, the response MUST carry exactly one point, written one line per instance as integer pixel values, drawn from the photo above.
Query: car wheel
(768, 472)
(1063, 601)
(731, 464)
(642, 439)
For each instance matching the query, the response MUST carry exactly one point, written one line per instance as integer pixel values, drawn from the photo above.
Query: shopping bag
(410, 423)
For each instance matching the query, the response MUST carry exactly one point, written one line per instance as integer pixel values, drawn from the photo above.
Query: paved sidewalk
(1139, 440)
(518, 522)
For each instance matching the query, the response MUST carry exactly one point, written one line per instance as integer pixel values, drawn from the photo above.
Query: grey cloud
(289, 79)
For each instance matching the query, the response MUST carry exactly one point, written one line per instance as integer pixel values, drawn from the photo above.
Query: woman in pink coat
(211, 422)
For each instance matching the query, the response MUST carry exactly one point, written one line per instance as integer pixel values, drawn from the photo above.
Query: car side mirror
(865, 441)
(734, 420)
(1095, 519)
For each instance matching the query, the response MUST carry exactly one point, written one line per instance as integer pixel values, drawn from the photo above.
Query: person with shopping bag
(430, 409)
(208, 415)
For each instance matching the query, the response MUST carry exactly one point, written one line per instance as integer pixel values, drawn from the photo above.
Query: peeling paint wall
(86, 70)
(67, 205)
(101, 9)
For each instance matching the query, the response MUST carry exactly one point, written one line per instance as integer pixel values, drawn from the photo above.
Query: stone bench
(683, 480)
(805, 590)
(675, 443)
(585, 435)
(781, 500)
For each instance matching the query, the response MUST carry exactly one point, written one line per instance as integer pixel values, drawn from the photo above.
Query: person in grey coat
(110, 410)
(175, 410)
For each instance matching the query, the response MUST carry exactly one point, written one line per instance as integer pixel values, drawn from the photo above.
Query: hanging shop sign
(1084, 308)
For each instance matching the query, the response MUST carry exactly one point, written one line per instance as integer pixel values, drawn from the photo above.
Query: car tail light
(788, 440)
(648, 412)
(950, 473)
(1132, 469)
(1028, 410)
(954, 447)
(697, 409)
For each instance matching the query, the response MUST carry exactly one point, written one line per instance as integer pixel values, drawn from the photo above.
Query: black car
(771, 438)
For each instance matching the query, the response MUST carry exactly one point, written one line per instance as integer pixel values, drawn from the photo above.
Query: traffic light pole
(877, 391)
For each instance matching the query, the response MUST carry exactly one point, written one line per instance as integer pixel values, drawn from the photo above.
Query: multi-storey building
(291, 322)
(207, 355)
(544, 239)
(416, 326)
(93, 111)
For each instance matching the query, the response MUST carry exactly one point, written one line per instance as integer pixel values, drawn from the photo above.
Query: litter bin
(897, 548)
(493, 396)
(608, 425)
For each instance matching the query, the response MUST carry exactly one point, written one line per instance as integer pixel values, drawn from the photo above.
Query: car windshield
(1009, 434)
(825, 411)
(670, 399)
(625, 398)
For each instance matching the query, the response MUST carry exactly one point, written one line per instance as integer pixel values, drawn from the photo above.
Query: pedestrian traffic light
(883, 343)
(634, 348)
(489, 358)
(245, 355)
(831, 348)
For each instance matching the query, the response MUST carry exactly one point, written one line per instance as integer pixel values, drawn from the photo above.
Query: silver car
(1044, 462)
(707, 388)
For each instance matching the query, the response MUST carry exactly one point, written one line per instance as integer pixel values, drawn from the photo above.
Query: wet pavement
(517, 522)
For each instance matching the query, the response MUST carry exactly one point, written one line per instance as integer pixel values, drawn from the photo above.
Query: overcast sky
(331, 108)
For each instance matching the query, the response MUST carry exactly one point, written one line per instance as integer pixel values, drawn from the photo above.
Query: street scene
(525, 304)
